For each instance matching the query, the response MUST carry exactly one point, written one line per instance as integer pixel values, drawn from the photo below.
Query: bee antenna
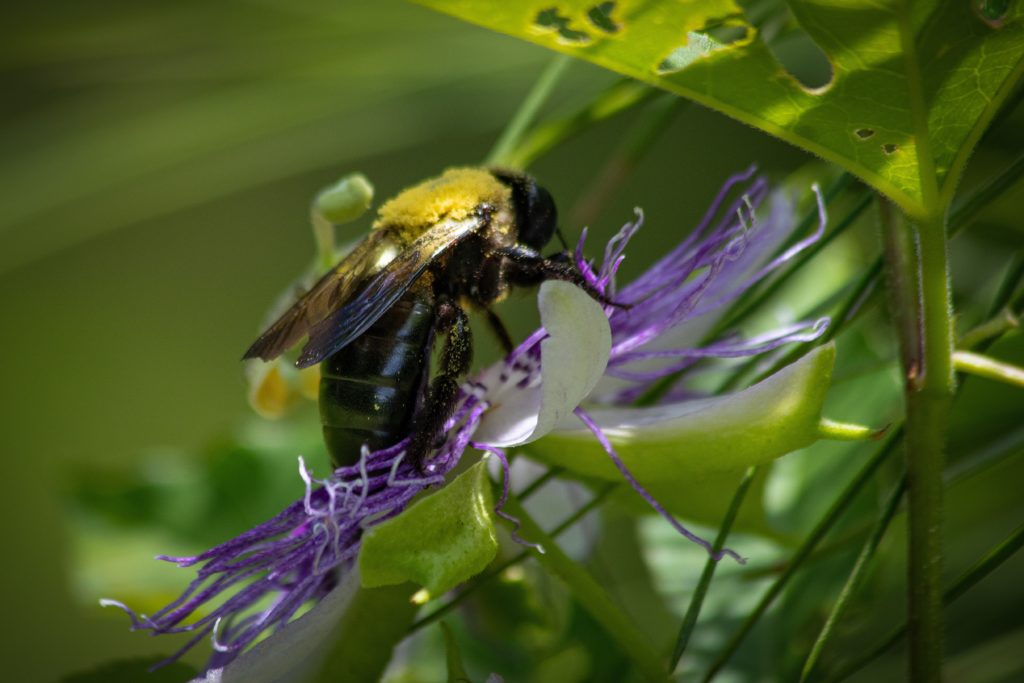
(561, 238)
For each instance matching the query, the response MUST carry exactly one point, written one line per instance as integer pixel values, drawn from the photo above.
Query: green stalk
(985, 366)
(984, 566)
(626, 158)
(970, 578)
(995, 327)
(590, 596)
(541, 481)
(821, 529)
(513, 133)
(614, 100)
(855, 578)
(1011, 281)
(986, 195)
(699, 593)
(919, 286)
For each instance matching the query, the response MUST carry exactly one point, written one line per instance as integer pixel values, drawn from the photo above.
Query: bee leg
(456, 357)
(500, 330)
(528, 267)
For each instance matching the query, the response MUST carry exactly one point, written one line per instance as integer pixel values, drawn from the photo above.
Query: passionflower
(568, 392)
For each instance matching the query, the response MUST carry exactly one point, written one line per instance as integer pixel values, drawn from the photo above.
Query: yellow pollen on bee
(455, 194)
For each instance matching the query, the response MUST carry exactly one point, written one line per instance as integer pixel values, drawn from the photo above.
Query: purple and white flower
(577, 375)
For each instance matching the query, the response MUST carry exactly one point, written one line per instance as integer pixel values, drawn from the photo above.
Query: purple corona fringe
(257, 582)
(720, 260)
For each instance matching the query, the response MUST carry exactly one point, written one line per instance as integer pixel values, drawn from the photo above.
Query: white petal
(293, 653)
(573, 358)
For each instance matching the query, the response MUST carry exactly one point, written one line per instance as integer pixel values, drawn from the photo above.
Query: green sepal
(691, 455)
(438, 542)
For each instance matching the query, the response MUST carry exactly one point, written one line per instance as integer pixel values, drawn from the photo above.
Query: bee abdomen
(369, 389)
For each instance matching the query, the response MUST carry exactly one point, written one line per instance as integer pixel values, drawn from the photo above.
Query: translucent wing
(327, 295)
(384, 289)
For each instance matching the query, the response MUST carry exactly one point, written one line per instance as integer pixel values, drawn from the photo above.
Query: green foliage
(133, 671)
(205, 128)
(438, 542)
(940, 71)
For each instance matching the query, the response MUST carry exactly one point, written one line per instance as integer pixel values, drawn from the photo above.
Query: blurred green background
(156, 166)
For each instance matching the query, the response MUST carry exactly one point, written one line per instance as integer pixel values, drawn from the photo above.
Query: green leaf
(132, 671)
(913, 84)
(691, 455)
(438, 542)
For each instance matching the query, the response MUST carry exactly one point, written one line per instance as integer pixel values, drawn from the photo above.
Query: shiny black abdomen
(369, 390)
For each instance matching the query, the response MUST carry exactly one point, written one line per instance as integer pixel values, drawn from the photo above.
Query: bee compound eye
(538, 217)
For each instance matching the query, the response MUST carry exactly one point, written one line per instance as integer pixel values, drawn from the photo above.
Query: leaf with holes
(912, 84)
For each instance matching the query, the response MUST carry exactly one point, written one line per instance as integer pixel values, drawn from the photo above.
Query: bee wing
(328, 294)
(385, 288)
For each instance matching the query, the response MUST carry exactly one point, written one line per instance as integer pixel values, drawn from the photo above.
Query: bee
(461, 240)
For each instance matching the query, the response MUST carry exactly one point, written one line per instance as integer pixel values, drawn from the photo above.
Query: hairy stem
(917, 269)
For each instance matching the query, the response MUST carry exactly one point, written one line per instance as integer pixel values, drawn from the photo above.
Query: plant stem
(855, 578)
(614, 100)
(697, 601)
(986, 195)
(590, 596)
(917, 266)
(978, 571)
(625, 159)
(929, 399)
(994, 328)
(824, 525)
(540, 481)
(985, 366)
(846, 431)
(527, 112)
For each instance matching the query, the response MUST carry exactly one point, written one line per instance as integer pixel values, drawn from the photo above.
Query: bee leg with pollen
(456, 357)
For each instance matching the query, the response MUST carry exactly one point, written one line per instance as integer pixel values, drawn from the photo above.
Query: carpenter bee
(460, 240)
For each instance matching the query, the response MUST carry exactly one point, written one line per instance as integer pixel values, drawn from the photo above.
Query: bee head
(536, 215)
